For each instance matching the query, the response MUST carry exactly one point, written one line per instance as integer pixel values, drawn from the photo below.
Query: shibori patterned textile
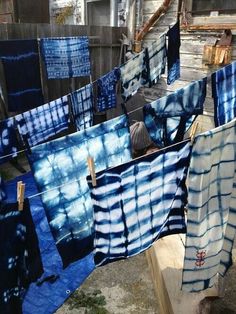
(106, 97)
(211, 208)
(168, 118)
(2, 190)
(60, 167)
(224, 94)
(82, 107)
(20, 60)
(8, 140)
(65, 57)
(139, 202)
(156, 59)
(173, 56)
(39, 124)
(134, 74)
(20, 258)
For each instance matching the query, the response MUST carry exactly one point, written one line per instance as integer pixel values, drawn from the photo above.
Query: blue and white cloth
(8, 140)
(20, 60)
(60, 169)
(66, 57)
(82, 107)
(173, 55)
(224, 94)
(106, 94)
(134, 74)
(211, 226)
(39, 124)
(168, 118)
(2, 190)
(138, 202)
(156, 52)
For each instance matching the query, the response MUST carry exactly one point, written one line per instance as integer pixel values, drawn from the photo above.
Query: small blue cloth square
(173, 55)
(106, 97)
(82, 107)
(66, 57)
(39, 124)
(8, 140)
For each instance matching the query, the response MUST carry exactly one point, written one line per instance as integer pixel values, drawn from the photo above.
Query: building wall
(6, 11)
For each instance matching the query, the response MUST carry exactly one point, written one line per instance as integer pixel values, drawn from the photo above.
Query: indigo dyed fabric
(2, 190)
(39, 124)
(8, 140)
(39, 297)
(20, 60)
(106, 94)
(173, 57)
(156, 59)
(211, 208)
(224, 94)
(60, 167)
(138, 202)
(65, 57)
(168, 118)
(82, 107)
(134, 74)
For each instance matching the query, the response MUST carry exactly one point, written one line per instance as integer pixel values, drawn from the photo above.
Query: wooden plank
(210, 26)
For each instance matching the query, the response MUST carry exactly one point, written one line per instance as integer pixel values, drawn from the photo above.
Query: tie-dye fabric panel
(134, 74)
(60, 170)
(106, 97)
(211, 224)
(138, 202)
(20, 60)
(224, 94)
(173, 55)
(156, 59)
(82, 107)
(39, 124)
(2, 190)
(168, 118)
(66, 57)
(8, 140)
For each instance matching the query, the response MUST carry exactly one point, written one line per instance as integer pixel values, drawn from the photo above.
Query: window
(204, 7)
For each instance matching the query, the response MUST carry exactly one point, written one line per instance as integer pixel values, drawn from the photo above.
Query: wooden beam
(209, 27)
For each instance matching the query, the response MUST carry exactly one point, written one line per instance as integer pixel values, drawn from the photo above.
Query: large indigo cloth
(39, 297)
(134, 74)
(106, 94)
(168, 118)
(8, 140)
(65, 57)
(211, 224)
(173, 57)
(39, 124)
(156, 59)
(224, 94)
(20, 60)
(82, 107)
(139, 202)
(63, 162)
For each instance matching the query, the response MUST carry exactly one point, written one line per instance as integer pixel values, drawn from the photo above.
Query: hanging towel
(211, 208)
(8, 140)
(39, 124)
(82, 107)
(224, 94)
(20, 257)
(168, 118)
(134, 74)
(106, 85)
(156, 58)
(20, 60)
(63, 161)
(173, 57)
(138, 202)
(66, 57)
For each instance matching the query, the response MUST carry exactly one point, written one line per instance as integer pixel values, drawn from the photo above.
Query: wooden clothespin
(193, 131)
(92, 170)
(20, 195)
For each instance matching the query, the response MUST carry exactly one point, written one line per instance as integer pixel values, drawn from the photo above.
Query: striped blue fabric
(65, 57)
(211, 223)
(224, 94)
(20, 60)
(8, 140)
(139, 202)
(82, 107)
(39, 124)
(168, 118)
(60, 170)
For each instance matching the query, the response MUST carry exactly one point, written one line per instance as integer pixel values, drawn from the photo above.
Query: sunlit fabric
(8, 140)
(173, 55)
